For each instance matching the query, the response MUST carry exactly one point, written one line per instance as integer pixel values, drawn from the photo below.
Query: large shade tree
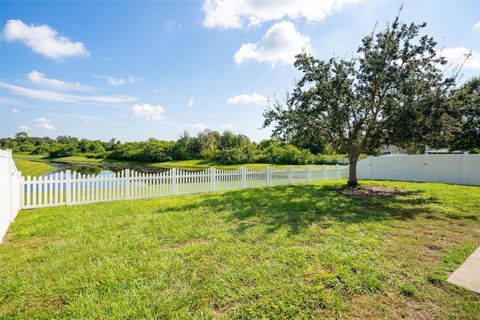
(394, 91)
(466, 104)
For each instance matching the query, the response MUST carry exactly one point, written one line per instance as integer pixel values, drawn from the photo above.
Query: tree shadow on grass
(299, 206)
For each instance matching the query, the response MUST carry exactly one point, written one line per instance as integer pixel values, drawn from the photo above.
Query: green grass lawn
(32, 168)
(303, 251)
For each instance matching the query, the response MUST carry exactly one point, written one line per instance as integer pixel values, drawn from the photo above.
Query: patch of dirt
(373, 191)
(59, 303)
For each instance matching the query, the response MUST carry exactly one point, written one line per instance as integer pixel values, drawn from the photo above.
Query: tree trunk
(352, 171)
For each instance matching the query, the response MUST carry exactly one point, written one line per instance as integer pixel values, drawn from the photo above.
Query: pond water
(101, 169)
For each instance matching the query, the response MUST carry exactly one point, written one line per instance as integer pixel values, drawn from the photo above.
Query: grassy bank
(303, 251)
(32, 168)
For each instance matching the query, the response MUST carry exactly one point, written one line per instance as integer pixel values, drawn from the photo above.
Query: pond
(101, 169)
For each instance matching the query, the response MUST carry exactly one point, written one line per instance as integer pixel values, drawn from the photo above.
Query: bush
(285, 154)
(45, 148)
(237, 155)
(68, 150)
(24, 147)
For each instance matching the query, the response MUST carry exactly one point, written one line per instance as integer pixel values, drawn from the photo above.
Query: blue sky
(134, 70)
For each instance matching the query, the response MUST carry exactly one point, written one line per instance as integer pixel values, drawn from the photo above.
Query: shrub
(67, 150)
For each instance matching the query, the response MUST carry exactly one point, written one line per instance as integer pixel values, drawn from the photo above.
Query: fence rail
(70, 188)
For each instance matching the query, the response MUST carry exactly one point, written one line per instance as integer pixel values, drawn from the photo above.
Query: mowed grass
(32, 168)
(304, 251)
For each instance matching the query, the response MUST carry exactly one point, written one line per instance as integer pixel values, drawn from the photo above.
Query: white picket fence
(69, 188)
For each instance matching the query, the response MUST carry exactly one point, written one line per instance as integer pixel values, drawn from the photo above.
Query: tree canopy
(466, 104)
(394, 91)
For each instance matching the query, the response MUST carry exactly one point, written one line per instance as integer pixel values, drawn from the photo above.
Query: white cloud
(23, 127)
(41, 79)
(278, 46)
(190, 102)
(43, 123)
(228, 127)
(15, 111)
(252, 98)
(64, 97)
(237, 13)
(476, 26)
(198, 127)
(113, 81)
(44, 40)
(148, 111)
(456, 56)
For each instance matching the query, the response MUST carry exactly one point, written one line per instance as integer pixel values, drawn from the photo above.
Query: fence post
(395, 159)
(68, 186)
(213, 179)
(337, 171)
(324, 168)
(173, 174)
(127, 183)
(269, 176)
(425, 164)
(289, 174)
(370, 164)
(21, 189)
(243, 172)
(309, 174)
(464, 169)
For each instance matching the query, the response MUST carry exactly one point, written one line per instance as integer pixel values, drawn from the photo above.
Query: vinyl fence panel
(446, 168)
(10, 185)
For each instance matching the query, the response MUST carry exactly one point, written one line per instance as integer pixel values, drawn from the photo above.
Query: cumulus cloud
(238, 13)
(114, 81)
(56, 96)
(40, 78)
(279, 45)
(476, 26)
(15, 111)
(148, 111)
(43, 39)
(252, 98)
(43, 123)
(456, 56)
(190, 102)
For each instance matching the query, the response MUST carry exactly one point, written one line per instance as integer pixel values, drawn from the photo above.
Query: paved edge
(468, 274)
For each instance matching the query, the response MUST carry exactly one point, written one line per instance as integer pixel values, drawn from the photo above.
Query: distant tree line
(225, 148)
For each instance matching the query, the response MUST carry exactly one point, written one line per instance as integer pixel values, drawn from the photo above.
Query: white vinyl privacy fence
(447, 168)
(10, 190)
(68, 188)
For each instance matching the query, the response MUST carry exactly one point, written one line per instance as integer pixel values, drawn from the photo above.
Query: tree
(466, 102)
(393, 91)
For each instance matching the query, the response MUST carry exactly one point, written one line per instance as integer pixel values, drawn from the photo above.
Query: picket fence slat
(71, 188)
